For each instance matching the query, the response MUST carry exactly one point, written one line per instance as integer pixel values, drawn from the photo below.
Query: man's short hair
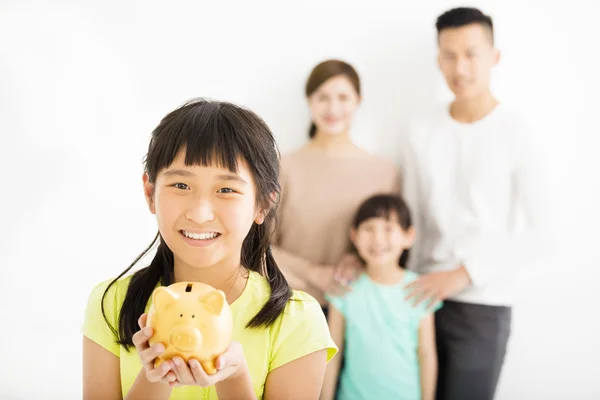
(463, 16)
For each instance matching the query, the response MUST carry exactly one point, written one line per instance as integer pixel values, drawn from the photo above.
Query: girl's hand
(229, 365)
(149, 353)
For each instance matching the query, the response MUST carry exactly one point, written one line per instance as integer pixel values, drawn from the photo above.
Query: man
(469, 171)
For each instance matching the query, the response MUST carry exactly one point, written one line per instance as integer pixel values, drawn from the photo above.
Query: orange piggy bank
(192, 320)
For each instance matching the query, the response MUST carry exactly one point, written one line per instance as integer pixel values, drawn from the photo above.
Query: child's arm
(428, 357)
(305, 375)
(336, 327)
(298, 379)
(101, 378)
(102, 381)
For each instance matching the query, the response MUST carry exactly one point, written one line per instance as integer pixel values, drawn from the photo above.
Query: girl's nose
(200, 211)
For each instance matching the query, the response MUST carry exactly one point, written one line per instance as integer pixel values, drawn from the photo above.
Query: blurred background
(82, 84)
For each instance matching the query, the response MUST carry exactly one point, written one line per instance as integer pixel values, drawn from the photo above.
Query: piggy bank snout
(185, 338)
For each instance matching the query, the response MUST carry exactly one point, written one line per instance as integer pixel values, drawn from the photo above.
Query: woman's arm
(101, 373)
(297, 271)
(300, 379)
(300, 273)
(428, 357)
(337, 329)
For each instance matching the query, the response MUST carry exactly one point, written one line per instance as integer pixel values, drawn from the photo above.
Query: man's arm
(492, 255)
(411, 193)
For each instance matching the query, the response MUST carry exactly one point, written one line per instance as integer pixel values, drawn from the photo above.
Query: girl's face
(381, 241)
(333, 105)
(203, 213)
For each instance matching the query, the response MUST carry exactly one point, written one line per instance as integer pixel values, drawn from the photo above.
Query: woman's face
(333, 105)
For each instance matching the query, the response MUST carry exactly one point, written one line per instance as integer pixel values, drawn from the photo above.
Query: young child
(211, 179)
(387, 342)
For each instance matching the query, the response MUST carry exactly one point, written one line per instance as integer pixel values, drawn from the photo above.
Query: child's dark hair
(462, 16)
(385, 206)
(212, 133)
(324, 71)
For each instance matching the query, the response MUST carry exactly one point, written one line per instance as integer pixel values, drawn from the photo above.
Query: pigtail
(403, 262)
(141, 286)
(262, 261)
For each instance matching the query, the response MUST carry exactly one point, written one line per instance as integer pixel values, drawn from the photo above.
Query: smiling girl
(211, 179)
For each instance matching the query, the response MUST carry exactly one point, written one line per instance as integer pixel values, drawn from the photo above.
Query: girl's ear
(410, 237)
(262, 212)
(260, 216)
(149, 193)
(353, 236)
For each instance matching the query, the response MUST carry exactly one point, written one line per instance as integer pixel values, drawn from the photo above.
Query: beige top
(320, 195)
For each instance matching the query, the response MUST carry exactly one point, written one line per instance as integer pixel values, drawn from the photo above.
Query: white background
(82, 85)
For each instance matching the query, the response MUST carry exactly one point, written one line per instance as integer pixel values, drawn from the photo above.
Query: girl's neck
(385, 274)
(473, 109)
(333, 145)
(229, 277)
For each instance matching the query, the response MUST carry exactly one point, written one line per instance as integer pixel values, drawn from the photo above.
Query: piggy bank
(192, 320)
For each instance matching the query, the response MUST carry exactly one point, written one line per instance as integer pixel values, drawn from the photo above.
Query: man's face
(466, 58)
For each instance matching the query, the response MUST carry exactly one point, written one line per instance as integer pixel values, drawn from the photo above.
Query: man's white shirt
(477, 194)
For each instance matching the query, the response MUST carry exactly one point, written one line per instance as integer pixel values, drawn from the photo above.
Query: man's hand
(438, 286)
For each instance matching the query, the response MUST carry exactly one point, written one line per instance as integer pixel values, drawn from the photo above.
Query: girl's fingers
(142, 321)
(149, 355)
(200, 376)
(182, 371)
(170, 378)
(140, 338)
(156, 374)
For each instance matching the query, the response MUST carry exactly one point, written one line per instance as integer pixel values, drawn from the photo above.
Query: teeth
(200, 236)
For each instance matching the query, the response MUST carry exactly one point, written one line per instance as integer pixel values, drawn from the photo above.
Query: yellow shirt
(302, 329)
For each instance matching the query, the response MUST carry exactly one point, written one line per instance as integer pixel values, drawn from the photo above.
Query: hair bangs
(204, 133)
(385, 206)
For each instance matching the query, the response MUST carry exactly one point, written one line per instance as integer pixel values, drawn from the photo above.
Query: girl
(211, 179)
(324, 182)
(389, 345)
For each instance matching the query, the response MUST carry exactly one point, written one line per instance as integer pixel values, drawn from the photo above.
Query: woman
(322, 185)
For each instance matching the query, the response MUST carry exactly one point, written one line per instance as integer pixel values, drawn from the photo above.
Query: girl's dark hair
(385, 206)
(212, 133)
(327, 70)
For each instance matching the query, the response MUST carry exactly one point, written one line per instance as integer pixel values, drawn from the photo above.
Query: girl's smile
(199, 239)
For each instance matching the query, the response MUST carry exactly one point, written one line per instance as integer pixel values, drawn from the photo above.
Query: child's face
(203, 213)
(381, 241)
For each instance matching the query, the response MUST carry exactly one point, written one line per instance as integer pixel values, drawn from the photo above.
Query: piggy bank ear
(214, 301)
(163, 296)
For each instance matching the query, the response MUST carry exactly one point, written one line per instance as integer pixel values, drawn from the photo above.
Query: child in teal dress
(388, 343)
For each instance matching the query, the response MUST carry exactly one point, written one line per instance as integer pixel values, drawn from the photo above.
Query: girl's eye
(181, 186)
(226, 190)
